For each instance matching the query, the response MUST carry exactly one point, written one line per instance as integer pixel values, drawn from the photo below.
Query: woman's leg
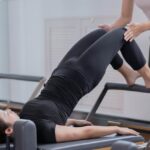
(93, 62)
(127, 72)
(135, 58)
(133, 55)
(117, 62)
(82, 45)
(145, 73)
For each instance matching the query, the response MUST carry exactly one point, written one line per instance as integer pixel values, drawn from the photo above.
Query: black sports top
(55, 103)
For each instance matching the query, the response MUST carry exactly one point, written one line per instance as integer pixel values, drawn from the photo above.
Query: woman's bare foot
(129, 74)
(131, 77)
(147, 83)
(145, 73)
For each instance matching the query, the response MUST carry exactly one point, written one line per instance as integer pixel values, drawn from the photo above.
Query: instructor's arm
(125, 16)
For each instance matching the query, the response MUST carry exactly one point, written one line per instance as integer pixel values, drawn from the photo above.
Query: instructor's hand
(133, 30)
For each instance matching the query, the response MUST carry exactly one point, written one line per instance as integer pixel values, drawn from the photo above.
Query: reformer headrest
(120, 86)
(25, 137)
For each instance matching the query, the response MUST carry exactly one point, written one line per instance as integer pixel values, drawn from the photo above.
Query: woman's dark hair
(3, 136)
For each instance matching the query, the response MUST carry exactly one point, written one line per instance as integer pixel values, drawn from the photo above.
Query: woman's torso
(53, 106)
(56, 101)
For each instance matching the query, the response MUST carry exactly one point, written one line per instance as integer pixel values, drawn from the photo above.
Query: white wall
(80, 8)
(26, 28)
(26, 25)
(26, 36)
(27, 20)
(3, 46)
(3, 36)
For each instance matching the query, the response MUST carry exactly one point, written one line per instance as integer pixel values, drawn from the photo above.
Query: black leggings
(131, 52)
(93, 53)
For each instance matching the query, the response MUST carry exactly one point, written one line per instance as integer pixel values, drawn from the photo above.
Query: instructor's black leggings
(93, 53)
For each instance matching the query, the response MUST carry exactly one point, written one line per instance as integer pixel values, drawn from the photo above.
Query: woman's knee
(98, 32)
(119, 31)
(101, 31)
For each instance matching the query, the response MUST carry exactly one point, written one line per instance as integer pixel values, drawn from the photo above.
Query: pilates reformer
(25, 131)
(105, 143)
(25, 139)
(120, 144)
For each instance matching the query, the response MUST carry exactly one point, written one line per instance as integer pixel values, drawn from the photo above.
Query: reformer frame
(115, 86)
(23, 129)
(28, 78)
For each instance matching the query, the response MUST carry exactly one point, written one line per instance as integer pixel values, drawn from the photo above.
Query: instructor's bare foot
(147, 83)
(131, 77)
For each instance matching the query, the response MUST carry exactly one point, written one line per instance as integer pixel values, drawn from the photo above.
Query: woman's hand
(126, 131)
(133, 30)
(78, 123)
(81, 123)
(105, 27)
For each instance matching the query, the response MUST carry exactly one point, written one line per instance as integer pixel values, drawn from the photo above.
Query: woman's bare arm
(64, 133)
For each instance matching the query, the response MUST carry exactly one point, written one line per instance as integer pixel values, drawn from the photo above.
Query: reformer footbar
(115, 86)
